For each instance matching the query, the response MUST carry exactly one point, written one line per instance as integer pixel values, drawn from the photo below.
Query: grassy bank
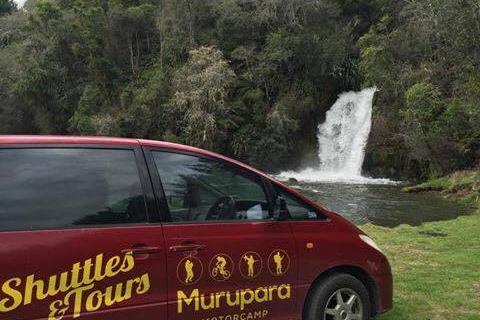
(436, 266)
(462, 185)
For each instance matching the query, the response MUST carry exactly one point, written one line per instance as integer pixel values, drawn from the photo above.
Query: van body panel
(234, 241)
(55, 272)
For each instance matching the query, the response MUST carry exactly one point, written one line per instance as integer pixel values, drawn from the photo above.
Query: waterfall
(342, 139)
(343, 136)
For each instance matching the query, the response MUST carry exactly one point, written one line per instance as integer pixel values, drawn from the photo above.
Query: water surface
(384, 205)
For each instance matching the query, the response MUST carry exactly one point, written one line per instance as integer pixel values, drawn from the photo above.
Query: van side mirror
(283, 213)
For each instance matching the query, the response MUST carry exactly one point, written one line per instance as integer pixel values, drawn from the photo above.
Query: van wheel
(339, 297)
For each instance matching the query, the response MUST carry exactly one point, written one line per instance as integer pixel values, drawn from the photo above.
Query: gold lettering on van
(240, 298)
(77, 285)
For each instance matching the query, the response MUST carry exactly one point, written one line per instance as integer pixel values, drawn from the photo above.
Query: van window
(201, 189)
(298, 209)
(63, 188)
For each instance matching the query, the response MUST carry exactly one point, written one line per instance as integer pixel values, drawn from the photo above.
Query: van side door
(228, 258)
(74, 235)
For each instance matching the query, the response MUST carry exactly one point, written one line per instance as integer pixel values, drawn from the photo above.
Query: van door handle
(136, 251)
(187, 247)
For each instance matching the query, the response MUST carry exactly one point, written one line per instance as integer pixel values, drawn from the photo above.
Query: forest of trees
(249, 78)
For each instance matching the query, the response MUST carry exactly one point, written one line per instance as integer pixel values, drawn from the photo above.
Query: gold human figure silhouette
(278, 259)
(220, 267)
(250, 262)
(189, 271)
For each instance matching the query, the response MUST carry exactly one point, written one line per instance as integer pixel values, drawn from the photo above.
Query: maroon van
(108, 228)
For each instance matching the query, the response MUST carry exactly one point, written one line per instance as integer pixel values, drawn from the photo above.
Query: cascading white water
(342, 139)
(344, 134)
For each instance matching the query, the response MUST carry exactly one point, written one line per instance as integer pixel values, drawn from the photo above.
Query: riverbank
(462, 186)
(436, 265)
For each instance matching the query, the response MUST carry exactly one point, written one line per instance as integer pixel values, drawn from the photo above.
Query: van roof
(59, 139)
(92, 140)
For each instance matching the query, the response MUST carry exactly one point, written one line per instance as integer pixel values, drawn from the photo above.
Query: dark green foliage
(7, 7)
(424, 56)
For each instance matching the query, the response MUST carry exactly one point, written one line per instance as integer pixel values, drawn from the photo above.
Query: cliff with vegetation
(250, 79)
(424, 56)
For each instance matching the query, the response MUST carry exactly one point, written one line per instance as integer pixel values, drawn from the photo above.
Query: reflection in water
(384, 205)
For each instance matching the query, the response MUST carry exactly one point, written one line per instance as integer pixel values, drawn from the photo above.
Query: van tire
(326, 291)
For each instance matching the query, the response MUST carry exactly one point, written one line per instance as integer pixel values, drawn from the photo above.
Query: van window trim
(164, 209)
(143, 175)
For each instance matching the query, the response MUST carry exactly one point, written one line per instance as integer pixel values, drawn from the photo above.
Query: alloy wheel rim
(343, 304)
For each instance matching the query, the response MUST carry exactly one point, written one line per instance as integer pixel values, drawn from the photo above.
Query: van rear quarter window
(51, 188)
(297, 209)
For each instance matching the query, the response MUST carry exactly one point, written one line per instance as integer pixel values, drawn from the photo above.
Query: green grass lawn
(436, 268)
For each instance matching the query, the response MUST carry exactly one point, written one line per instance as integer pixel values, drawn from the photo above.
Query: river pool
(384, 205)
